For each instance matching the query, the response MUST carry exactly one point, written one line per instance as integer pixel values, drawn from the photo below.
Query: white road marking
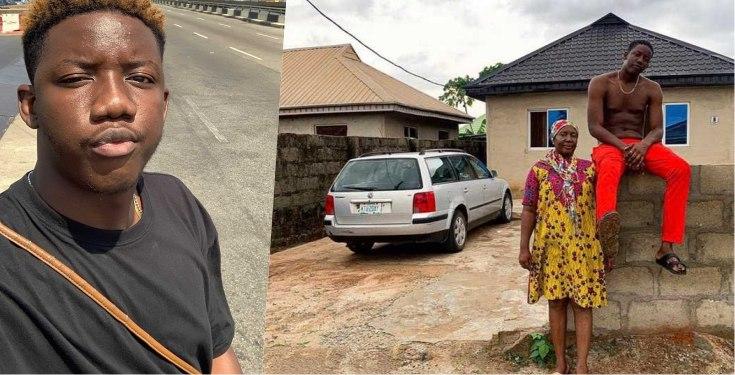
(177, 25)
(245, 53)
(269, 36)
(200, 35)
(199, 18)
(206, 122)
(224, 25)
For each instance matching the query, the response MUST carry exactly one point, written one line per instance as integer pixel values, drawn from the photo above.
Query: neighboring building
(330, 91)
(529, 94)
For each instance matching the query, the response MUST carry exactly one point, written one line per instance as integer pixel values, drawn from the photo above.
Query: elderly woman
(566, 261)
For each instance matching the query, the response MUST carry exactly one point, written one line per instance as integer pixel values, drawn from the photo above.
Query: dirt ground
(416, 309)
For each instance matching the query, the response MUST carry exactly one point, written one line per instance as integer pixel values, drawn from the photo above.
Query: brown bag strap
(97, 297)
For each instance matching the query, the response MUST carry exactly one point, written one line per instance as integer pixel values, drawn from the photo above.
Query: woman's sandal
(670, 261)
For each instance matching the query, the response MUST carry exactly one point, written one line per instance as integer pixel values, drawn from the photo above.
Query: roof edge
(692, 80)
(318, 47)
(610, 19)
(370, 107)
(603, 20)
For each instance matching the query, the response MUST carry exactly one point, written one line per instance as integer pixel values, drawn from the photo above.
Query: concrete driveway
(408, 308)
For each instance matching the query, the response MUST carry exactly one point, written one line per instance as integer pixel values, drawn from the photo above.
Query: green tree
(490, 69)
(454, 93)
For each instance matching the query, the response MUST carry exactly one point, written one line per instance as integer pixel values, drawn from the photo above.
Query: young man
(98, 101)
(619, 104)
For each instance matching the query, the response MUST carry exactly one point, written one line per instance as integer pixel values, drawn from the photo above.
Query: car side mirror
(494, 173)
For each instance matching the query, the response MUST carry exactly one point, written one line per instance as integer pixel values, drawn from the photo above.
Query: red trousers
(660, 161)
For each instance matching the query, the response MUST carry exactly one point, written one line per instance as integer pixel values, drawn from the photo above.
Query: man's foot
(672, 263)
(608, 229)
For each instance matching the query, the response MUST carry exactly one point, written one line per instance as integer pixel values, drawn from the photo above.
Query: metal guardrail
(263, 12)
(259, 4)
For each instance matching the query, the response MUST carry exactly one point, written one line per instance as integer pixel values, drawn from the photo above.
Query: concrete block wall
(646, 298)
(306, 166)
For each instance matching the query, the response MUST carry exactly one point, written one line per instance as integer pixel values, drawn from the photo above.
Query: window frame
(438, 134)
(663, 124)
(410, 127)
(528, 125)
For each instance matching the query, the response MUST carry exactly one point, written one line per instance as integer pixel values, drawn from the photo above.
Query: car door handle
(466, 189)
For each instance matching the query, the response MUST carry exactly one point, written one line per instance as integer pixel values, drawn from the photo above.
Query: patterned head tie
(559, 125)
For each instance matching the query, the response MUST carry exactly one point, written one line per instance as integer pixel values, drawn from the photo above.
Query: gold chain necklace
(137, 205)
(620, 85)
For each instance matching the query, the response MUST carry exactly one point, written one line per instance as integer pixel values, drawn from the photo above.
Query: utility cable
(368, 47)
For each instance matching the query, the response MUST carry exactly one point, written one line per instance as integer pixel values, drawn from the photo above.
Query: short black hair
(45, 14)
(639, 42)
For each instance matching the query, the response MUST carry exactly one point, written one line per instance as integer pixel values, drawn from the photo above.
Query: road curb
(241, 18)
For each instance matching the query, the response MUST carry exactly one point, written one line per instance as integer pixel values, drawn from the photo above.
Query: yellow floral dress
(566, 259)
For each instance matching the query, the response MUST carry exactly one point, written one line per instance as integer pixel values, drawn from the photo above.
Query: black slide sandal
(671, 260)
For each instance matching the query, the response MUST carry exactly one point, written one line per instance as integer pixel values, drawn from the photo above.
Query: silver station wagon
(428, 196)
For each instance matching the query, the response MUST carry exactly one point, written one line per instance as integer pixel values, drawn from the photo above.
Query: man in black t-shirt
(98, 101)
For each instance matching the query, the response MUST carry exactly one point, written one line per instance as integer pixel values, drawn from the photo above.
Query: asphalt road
(12, 74)
(220, 139)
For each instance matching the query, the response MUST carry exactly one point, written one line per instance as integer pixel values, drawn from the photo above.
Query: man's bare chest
(618, 101)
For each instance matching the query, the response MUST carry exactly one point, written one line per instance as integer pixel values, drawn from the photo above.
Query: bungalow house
(527, 95)
(330, 91)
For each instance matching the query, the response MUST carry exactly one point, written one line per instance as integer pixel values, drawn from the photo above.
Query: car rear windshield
(380, 175)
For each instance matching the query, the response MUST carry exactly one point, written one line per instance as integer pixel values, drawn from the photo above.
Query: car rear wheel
(457, 235)
(506, 213)
(360, 247)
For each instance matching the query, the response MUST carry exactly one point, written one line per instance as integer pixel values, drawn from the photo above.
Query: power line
(368, 47)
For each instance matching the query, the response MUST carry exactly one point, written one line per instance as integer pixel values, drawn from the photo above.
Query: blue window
(554, 116)
(540, 126)
(676, 124)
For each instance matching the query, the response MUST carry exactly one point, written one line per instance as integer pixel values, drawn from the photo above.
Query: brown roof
(318, 79)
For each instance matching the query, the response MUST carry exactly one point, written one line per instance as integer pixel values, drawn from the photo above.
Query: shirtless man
(619, 103)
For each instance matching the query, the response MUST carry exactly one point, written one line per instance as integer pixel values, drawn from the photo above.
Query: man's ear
(26, 100)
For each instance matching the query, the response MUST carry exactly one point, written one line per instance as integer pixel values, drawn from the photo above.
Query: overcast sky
(442, 39)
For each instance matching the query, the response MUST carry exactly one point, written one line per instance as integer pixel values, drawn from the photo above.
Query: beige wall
(508, 127)
(385, 125)
(508, 131)
(709, 144)
(428, 128)
(358, 124)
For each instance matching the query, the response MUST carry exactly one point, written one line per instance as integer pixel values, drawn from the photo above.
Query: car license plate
(369, 208)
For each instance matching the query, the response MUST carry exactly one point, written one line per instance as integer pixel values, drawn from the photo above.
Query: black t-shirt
(163, 272)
